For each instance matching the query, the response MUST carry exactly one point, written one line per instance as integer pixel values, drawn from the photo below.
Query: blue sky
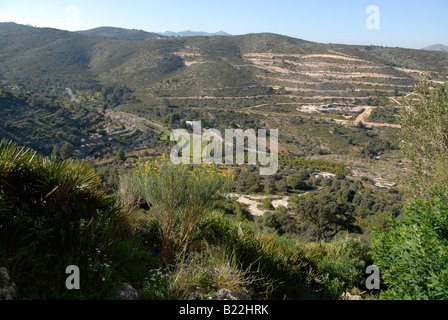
(402, 23)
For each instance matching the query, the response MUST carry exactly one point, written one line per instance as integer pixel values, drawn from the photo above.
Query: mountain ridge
(189, 33)
(436, 47)
(120, 33)
(195, 66)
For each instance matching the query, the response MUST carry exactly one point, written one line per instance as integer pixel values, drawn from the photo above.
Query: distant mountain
(189, 33)
(12, 26)
(436, 47)
(251, 65)
(120, 33)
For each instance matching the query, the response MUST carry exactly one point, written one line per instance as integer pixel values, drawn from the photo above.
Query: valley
(86, 120)
(149, 85)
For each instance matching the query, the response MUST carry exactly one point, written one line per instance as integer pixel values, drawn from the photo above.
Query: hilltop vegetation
(119, 34)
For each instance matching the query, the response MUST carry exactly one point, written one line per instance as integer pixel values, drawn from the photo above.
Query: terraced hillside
(318, 94)
(253, 65)
(330, 76)
(47, 124)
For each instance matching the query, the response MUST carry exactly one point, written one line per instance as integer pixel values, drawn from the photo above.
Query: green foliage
(282, 222)
(52, 126)
(43, 187)
(326, 217)
(321, 165)
(121, 156)
(348, 270)
(63, 63)
(280, 269)
(424, 135)
(267, 204)
(281, 185)
(64, 152)
(293, 181)
(341, 263)
(208, 271)
(384, 115)
(412, 253)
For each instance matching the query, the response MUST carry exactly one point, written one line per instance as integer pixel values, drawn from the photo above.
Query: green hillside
(266, 80)
(49, 124)
(43, 58)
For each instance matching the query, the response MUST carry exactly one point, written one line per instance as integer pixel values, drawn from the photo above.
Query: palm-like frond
(11, 155)
(61, 178)
(15, 169)
(64, 190)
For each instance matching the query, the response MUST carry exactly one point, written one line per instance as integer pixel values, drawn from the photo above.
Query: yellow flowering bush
(178, 196)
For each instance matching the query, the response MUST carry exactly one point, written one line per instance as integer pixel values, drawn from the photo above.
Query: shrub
(413, 253)
(58, 192)
(326, 216)
(341, 263)
(423, 136)
(267, 204)
(178, 197)
(348, 271)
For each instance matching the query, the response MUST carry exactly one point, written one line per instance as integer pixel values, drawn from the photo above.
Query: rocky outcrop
(222, 294)
(127, 292)
(226, 294)
(7, 288)
(348, 296)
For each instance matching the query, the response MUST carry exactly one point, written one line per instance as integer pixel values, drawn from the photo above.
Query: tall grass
(207, 271)
(282, 271)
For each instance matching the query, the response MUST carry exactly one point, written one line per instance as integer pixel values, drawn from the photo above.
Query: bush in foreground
(52, 215)
(413, 254)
